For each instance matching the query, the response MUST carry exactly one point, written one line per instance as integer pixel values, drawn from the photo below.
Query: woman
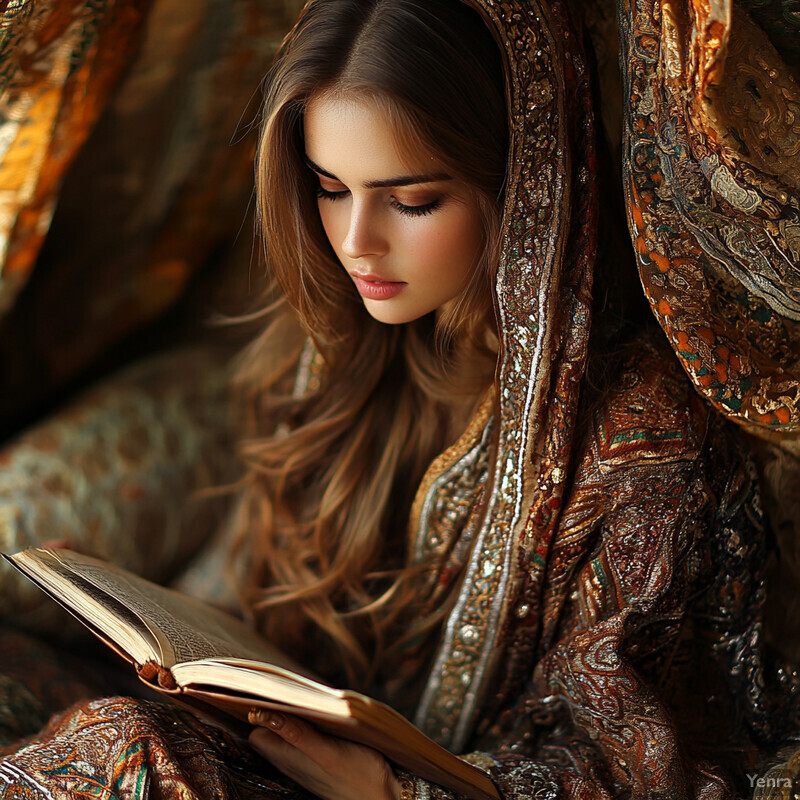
(547, 550)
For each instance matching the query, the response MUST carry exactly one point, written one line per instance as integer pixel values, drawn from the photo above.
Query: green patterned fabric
(120, 474)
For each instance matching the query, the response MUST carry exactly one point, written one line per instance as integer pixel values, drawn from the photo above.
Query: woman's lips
(372, 287)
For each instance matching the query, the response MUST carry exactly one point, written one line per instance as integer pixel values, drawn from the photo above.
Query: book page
(259, 680)
(115, 624)
(182, 629)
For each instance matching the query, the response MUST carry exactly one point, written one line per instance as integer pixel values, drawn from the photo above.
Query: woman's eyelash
(416, 211)
(326, 195)
(411, 211)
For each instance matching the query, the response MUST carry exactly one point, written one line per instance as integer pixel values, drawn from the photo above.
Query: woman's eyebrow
(404, 180)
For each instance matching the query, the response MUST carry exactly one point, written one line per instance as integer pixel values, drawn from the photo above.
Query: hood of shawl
(710, 156)
(543, 304)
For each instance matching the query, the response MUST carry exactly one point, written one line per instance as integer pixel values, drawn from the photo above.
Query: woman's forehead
(360, 137)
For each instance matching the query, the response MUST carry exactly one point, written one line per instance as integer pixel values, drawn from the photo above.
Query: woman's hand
(329, 767)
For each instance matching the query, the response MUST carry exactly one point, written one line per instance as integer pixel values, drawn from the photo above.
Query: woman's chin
(393, 313)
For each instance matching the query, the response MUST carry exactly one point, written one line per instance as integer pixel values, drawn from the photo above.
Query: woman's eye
(416, 211)
(325, 194)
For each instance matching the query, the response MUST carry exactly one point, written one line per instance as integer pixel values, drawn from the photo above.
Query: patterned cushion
(119, 474)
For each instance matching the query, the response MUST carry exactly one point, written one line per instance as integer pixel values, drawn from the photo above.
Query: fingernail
(266, 719)
(276, 721)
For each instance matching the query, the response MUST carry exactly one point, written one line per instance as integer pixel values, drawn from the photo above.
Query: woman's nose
(364, 235)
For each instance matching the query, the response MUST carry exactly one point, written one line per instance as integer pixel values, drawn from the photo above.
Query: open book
(197, 654)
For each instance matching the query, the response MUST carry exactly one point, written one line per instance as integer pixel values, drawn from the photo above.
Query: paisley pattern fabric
(711, 150)
(605, 566)
(120, 747)
(651, 607)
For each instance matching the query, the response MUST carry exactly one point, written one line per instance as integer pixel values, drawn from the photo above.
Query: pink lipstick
(371, 287)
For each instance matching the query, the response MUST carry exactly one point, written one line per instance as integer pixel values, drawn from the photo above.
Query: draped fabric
(712, 140)
(126, 137)
(600, 541)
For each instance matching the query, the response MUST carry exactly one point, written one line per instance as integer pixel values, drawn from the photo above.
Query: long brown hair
(333, 470)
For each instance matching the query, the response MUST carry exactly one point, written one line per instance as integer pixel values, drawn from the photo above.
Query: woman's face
(407, 233)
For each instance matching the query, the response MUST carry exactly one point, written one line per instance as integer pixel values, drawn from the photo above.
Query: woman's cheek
(457, 248)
